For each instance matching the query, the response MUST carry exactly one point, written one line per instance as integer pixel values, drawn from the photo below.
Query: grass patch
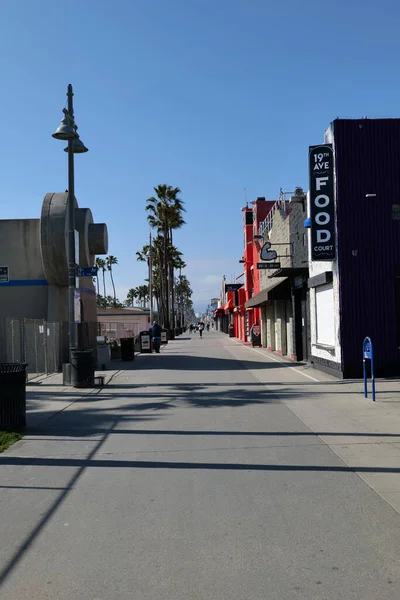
(8, 438)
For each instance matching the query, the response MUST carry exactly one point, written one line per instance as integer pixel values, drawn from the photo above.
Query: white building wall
(316, 268)
(270, 313)
(289, 329)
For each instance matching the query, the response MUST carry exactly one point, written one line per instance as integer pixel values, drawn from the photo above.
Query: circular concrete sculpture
(83, 220)
(93, 238)
(98, 238)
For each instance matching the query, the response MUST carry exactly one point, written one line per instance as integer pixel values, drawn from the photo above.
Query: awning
(219, 312)
(228, 305)
(289, 272)
(257, 299)
(265, 295)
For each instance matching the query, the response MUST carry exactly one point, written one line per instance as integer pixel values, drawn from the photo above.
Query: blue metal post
(372, 374)
(365, 378)
(368, 353)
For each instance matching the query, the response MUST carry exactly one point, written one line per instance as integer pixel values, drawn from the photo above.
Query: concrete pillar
(271, 343)
(280, 327)
(263, 323)
(289, 329)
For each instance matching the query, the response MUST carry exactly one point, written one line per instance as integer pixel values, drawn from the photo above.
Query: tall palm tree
(130, 297)
(101, 266)
(165, 214)
(112, 260)
(157, 261)
(143, 294)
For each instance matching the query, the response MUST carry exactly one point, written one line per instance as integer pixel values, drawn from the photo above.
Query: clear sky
(213, 96)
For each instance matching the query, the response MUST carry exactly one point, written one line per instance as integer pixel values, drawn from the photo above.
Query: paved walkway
(211, 471)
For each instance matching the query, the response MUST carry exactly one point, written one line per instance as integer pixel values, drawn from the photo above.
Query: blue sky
(213, 96)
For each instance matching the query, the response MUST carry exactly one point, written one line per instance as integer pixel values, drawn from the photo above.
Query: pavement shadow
(187, 362)
(99, 463)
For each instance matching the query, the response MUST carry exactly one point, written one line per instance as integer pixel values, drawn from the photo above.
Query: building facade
(322, 269)
(283, 271)
(247, 315)
(356, 292)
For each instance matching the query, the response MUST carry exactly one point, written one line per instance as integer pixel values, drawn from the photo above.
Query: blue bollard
(368, 354)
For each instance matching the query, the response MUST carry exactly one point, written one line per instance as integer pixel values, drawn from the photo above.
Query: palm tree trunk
(104, 284)
(97, 282)
(112, 281)
(171, 279)
(166, 295)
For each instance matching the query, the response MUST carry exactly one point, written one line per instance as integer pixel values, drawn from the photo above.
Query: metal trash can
(82, 368)
(12, 395)
(127, 348)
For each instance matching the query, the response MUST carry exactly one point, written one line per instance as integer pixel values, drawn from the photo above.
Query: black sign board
(322, 203)
(232, 287)
(270, 265)
(3, 274)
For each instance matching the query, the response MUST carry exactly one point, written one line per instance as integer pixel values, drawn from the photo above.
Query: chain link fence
(44, 346)
(34, 342)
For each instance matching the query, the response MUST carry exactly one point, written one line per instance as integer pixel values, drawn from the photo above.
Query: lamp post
(67, 131)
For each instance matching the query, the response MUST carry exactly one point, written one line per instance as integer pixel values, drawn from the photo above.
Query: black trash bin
(127, 348)
(12, 395)
(231, 331)
(82, 368)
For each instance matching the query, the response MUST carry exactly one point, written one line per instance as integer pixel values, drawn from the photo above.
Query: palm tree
(143, 294)
(101, 266)
(130, 297)
(165, 214)
(112, 260)
(158, 261)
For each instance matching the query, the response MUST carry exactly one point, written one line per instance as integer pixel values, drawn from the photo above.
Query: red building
(244, 318)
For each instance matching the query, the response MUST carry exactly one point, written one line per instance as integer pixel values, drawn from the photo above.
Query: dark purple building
(355, 292)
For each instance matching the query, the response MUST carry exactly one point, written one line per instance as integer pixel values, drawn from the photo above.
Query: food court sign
(322, 203)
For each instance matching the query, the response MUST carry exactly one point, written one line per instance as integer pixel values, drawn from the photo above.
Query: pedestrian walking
(201, 328)
(155, 332)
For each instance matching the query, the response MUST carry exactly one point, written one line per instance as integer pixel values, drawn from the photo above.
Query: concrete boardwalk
(210, 471)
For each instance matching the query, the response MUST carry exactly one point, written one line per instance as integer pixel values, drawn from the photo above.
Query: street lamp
(67, 131)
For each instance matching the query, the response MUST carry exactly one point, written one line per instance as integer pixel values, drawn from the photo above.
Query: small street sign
(86, 271)
(271, 265)
(3, 274)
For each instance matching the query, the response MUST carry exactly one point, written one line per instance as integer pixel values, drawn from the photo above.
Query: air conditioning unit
(298, 196)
